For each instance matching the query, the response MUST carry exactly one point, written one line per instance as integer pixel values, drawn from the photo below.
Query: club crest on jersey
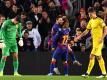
(17, 26)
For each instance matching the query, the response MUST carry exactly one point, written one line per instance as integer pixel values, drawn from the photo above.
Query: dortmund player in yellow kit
(98, 31)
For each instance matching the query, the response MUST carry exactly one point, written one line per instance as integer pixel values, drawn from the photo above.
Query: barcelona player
(55, 28)
(62, 48)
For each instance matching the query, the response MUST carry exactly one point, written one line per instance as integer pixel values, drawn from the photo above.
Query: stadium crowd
(38, 16)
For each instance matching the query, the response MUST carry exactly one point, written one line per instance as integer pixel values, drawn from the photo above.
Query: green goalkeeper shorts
(9, 49)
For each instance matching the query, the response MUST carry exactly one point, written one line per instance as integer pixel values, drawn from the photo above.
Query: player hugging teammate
(60, 47)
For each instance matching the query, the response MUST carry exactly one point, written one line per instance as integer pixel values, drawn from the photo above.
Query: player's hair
(59, 16)
(17, 18)
(91, 10)
(66, 21)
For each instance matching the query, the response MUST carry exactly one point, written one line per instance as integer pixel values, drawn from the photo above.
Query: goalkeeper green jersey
(9, 31)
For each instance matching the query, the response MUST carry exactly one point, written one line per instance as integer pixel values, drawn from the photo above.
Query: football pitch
(49, 78)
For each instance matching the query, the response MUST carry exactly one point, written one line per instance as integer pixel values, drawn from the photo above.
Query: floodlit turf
(49, 78)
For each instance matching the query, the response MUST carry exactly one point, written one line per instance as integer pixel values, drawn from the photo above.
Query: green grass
(49, 78)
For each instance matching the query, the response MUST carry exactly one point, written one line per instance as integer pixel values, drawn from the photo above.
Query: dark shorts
(61, 53)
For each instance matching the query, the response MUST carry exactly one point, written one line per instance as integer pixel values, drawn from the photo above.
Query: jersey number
(65, 38)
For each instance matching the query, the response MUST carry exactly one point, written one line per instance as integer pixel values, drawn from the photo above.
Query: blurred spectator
(40, 2)
(48, 42)
(28, 42)
(83, 14)
(32, 6)
(14, 11)
(33, 33)
(57, 2)
(45, 26)
(104, 6)
(43, 4)
(24, 18)
(101, 14)
(2, 19)
(81, 43)
(79, 17)
(97, 6)
(76, 21)
(26, 5)
(33, 2)
(35, 17)
(105, 16)
(1, 6)
(67, 7)
(6, 8)
(88, 42)
(83, 25)
(40, 9)
(53, 11)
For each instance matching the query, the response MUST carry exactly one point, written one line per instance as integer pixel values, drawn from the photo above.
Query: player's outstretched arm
(83, 34)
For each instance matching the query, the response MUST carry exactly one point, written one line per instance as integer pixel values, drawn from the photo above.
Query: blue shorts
(61, 53)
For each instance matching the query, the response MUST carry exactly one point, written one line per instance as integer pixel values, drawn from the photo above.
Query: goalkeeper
(8, 42)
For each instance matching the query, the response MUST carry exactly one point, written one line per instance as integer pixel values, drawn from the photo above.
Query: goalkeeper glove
(20, 42)
(2, 45)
